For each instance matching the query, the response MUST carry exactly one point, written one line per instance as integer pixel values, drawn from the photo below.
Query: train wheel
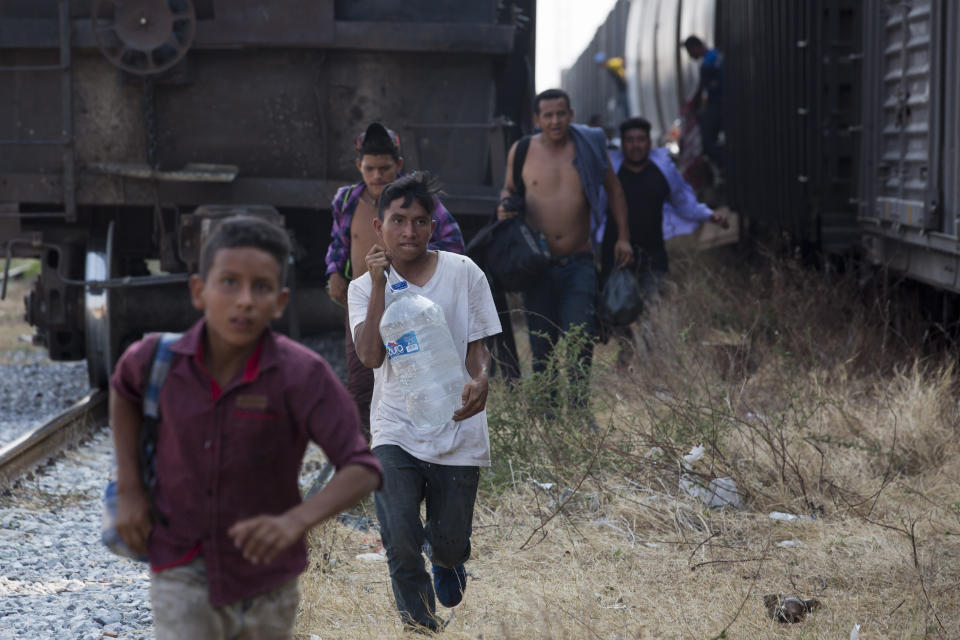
(100, 308)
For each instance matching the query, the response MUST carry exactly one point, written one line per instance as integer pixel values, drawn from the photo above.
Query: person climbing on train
(561, 172)
(440, 464)
(708, 98)
(354, 209)
(224, 526)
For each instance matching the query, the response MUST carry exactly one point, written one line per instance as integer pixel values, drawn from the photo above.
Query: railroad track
(46, 440)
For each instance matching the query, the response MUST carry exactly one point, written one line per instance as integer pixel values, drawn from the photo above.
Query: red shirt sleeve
(127, 379)
(332, 420)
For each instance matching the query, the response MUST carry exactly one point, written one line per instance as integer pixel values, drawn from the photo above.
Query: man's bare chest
(361, 223)
(546, 172)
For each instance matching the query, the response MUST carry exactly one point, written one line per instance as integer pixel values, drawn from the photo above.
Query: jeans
(450, 493)
(564, 298)
(711, 124)
(503, 348)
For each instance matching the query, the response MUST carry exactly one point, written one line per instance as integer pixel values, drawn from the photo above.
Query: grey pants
(182, 610)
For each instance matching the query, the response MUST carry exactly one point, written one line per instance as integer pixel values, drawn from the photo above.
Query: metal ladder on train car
(64, 34)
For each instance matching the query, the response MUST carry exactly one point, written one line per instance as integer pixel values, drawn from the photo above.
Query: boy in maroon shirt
(225, 531)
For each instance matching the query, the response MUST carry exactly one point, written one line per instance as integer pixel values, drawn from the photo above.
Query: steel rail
(46, 440)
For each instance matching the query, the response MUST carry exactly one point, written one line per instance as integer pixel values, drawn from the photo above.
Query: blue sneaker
(449, 584)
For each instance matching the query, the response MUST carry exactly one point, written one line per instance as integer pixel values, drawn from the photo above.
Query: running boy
(237, 408)
(354, 207)
(438, 465)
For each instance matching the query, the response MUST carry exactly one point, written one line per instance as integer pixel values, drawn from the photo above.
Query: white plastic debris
(546, 486)
(788, 544)
(855, 632)
(371, 557)
(721, 492)
(695, 455)
(784, 517)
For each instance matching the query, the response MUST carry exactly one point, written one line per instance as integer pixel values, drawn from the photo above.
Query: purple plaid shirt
(446, 237)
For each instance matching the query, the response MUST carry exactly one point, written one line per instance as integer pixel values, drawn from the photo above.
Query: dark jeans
(711, 124)
(359, 381)
(503, 348)
(564, 298)
(450, 493)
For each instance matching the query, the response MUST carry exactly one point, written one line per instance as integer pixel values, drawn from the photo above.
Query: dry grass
(798, 393)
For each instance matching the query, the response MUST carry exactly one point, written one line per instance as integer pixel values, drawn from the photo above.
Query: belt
(563, 261)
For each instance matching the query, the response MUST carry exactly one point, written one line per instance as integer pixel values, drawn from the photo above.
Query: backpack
(512, 254)
(519, 157)
(159, 365)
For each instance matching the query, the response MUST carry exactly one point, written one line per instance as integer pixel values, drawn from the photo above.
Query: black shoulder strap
(519, 157)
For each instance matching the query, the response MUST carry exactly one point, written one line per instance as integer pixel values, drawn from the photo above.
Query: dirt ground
(811, 416)
(821, 420)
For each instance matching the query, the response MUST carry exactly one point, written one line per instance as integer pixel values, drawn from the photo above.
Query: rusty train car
(840, 119)
(128, 127)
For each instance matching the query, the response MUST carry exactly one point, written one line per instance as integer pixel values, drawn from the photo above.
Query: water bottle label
(407, 343)
(399, 286)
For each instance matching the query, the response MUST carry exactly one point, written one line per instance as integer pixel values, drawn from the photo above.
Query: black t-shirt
(646, 191)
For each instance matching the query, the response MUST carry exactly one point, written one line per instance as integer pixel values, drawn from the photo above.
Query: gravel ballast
(34, 389)
(56, 579)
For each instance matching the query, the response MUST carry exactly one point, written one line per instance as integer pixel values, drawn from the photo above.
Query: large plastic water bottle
(423, 356)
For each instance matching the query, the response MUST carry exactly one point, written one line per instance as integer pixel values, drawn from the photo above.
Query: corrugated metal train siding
(791, 139)
(661, 76)
(838, 131)
(591, 88)
(951, 110)
(904, 101)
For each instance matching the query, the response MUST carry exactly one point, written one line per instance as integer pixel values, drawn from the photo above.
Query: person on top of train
(224, 525)
(709, 114)
(563, 170)
(354, 209)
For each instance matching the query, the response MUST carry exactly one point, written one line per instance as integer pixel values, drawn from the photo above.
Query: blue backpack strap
(158, 374)
(159, 367)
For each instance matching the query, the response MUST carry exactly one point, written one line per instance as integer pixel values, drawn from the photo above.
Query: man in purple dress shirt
(354, 209)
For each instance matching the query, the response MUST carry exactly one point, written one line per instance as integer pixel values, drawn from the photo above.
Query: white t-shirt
(460, 288)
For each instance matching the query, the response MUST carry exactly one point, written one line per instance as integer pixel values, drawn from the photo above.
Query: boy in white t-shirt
(441, 465)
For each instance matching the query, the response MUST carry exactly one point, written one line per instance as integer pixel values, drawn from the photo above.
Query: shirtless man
(564, 169)
(354, 209)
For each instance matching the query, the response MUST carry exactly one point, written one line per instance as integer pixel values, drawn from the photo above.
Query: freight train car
(128, 127)
(841, 117)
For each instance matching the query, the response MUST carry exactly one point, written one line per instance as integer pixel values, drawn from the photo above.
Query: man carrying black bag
(513, 256)
(559, 174)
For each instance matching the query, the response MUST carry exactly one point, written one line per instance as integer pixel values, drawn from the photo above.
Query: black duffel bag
(512, 253)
